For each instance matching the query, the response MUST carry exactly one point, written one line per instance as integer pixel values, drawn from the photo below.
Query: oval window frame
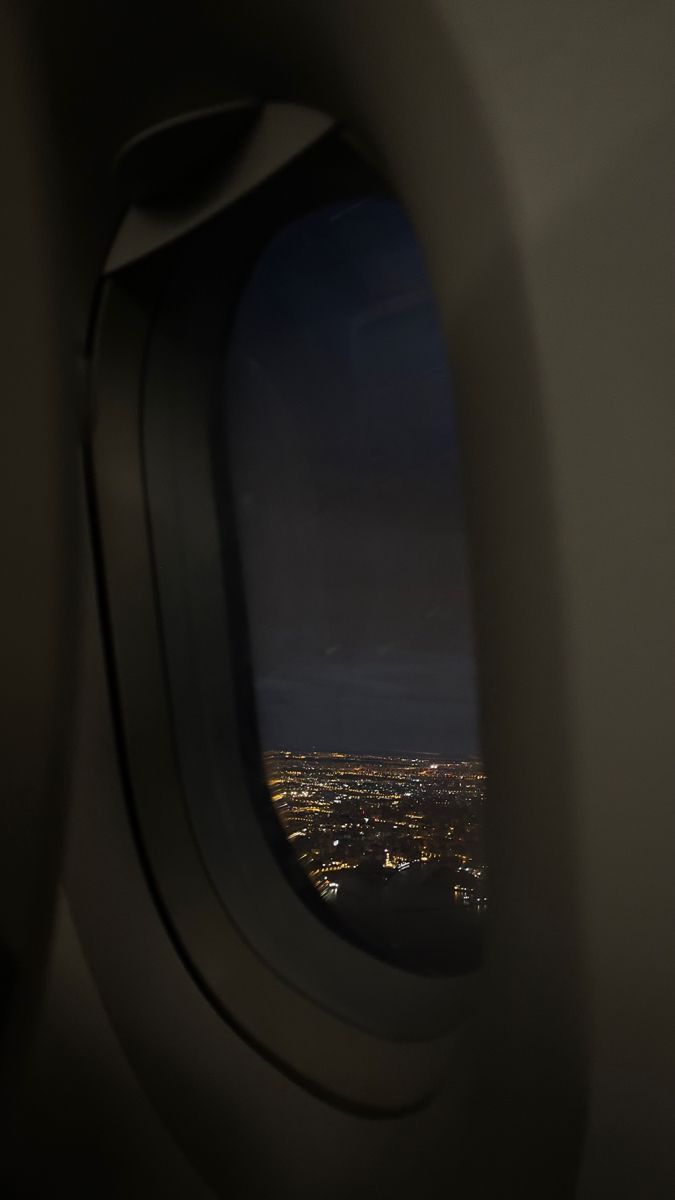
(378, 1046)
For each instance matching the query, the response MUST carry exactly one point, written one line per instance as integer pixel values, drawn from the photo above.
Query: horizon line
(442, 756)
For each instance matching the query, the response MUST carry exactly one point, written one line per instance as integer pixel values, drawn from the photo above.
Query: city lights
(437, 832)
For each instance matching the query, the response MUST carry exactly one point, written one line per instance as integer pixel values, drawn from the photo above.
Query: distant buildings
(368, 818)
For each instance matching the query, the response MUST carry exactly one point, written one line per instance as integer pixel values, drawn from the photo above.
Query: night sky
(343, 452)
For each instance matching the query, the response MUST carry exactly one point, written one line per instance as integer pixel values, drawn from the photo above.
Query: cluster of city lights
(381, 815)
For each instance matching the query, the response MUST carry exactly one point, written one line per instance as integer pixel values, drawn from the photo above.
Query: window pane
(343, 459)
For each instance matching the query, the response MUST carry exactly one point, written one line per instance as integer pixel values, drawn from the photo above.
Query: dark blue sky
(343, 451)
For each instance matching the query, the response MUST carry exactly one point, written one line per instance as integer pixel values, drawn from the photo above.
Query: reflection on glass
(344, 469)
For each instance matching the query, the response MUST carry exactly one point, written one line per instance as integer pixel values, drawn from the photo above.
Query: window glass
(344, 472)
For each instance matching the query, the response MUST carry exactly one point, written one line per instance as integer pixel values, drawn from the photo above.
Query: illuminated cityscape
(393, 842)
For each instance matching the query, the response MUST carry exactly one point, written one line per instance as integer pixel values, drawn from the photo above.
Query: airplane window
(340, 438)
